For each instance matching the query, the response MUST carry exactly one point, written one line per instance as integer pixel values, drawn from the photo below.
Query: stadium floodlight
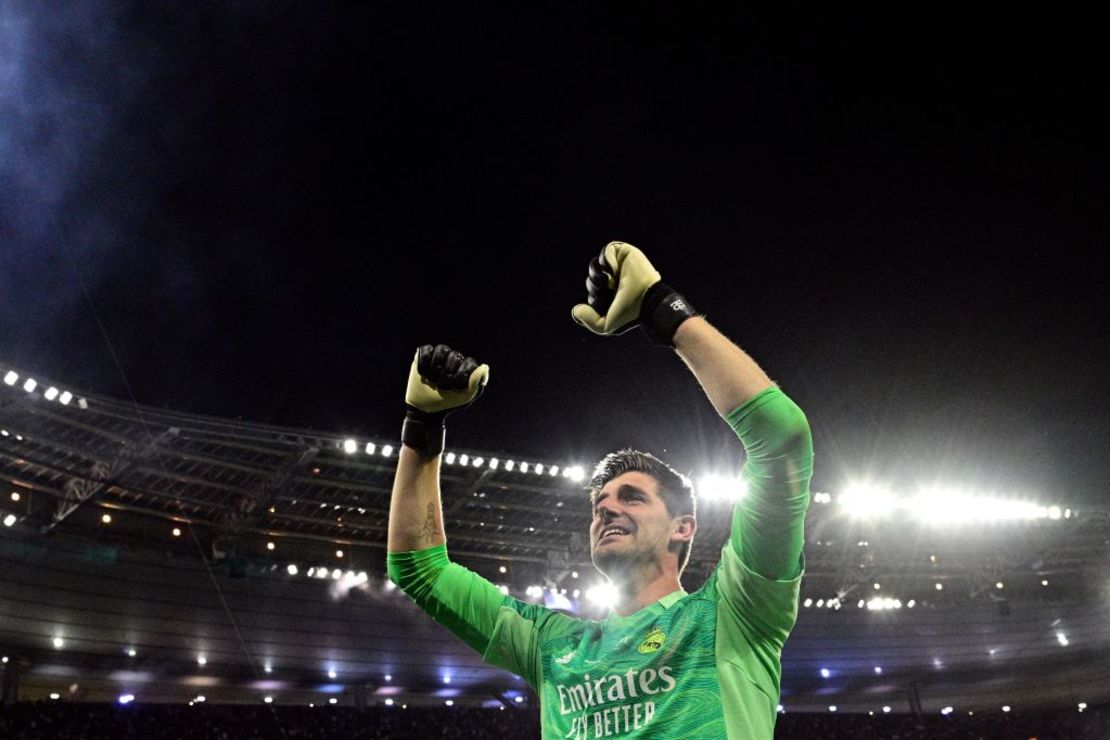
(449, 458)
(1062, 639)
(201, 660)
(825, 673)
(200, 699)
(464, 460)
(603, 594)
(333, 700)
(553, 471)
(715, 487)
(387, 450)
(132, 652)
(450, 702)
(503, 589)
(389, 702)
(538, 469)
(291, 569)
(940, 587)
(807, 603)
(9, 520)
(30, 384)
(832, 707)
(576, 473)
(955, 506)
(11, 377)
(270, 545)
(878, 670)
(59, 643)
(910, 604)
(55, 695)
(50, 394)
(268, 668)
(350, 446)
(126, 698)
(336, 574)
(1082, 705)
(886, 710)
(268, 699)
(371, 448)
(478, 462)
(519, 699)
(524, 467)
(822, 498)
(1005, 707)
(946, 710)
(332, 674)
(494, 463)
(1053, 512)
(509, 465)
(388, 678)
(999, 585)
(865, 500)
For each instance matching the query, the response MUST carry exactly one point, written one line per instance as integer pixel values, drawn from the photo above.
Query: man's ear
(684, 528)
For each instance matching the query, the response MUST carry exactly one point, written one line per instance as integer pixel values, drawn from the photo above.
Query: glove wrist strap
(662, 311)
(423, 432)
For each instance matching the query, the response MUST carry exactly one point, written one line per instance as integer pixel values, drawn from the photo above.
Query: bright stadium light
(1062, 639)
(371, 448)
(9, 520)
(464, 460)
(538, 469)
(65, 398)
(11, 378)
(201, 660)
(886, 710)
(350, 446)
(30, 385)
(494, 463)
(59, 643)
(524, 467)
(291, 569)
(576, 473)
(715, 487)
(387, 450)
(478, 462)
(553, 471)
(126, 698)
(825, 673)
(509, 465)
(55, 695)
(449, 458)
(50, 394)
(602, 594)
(867, 500)
(941, 506)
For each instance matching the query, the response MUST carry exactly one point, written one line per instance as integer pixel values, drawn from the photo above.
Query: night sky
(259, 209)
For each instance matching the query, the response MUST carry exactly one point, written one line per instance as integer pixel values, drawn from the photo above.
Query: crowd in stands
(79, 721)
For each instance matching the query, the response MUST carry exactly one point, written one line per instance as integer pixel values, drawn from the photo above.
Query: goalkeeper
(664, 663)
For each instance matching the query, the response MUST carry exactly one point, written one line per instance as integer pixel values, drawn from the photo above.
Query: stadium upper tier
(110, 502)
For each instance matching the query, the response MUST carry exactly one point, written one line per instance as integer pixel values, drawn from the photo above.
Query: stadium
(164, 562)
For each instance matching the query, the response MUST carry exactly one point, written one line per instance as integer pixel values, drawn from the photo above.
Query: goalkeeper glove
(625, 291)
(441, 380)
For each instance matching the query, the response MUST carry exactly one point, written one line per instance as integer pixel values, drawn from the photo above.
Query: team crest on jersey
(653, 641)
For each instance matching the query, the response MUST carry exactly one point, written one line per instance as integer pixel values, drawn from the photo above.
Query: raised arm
(440, 381)
(626, 291)
(726, 373)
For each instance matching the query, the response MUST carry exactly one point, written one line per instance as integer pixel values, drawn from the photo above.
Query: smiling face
(631, 525)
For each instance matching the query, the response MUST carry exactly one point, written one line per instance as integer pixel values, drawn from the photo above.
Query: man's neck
(634, 593)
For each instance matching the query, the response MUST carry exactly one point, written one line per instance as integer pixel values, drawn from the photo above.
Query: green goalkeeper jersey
(701, 665)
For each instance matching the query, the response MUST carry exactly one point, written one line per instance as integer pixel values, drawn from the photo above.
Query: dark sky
(270, 204)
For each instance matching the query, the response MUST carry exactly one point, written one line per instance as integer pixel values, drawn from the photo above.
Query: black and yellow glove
(624, 291)
(441, 380)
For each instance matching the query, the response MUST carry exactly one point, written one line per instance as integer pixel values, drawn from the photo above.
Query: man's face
(631, 524)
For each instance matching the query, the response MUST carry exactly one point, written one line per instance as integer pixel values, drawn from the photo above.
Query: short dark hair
(676, 489)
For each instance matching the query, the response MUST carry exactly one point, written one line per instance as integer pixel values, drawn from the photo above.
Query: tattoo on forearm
(428, 532)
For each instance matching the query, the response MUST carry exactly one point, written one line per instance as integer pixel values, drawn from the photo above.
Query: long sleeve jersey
(692, 665)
